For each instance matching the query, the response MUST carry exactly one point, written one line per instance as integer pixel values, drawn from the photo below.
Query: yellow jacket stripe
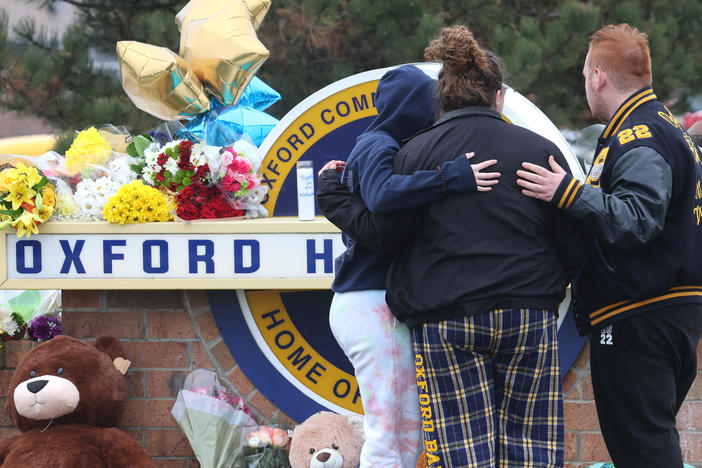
(578, 187)
(614, 309)
(626, 108)
(567, 191)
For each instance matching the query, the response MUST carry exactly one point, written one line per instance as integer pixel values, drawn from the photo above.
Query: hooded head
(406, 102)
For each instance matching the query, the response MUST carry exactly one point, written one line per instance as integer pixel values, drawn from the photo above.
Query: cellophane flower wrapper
(235, 173)
(19, 307)
(27, 198)
(83, 196)
(214, 422)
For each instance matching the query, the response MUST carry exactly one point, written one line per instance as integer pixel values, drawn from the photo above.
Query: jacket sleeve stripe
(565, 194)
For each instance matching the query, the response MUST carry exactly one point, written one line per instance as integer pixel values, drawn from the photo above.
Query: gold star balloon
(160, 82)
(257, 9)
(218, 40)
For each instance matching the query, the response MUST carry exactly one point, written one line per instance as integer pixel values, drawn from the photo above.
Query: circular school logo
(281, 339)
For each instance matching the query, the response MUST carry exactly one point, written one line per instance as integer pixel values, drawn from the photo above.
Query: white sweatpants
(380, 349)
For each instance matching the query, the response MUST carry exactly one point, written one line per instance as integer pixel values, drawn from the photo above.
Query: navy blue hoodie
(406, 103)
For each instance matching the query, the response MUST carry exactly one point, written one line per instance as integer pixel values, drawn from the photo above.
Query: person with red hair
(639, 294)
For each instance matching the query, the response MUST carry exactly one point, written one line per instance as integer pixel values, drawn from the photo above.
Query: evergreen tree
(316, 42)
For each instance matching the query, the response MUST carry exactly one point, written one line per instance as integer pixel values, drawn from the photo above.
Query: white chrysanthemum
(151, 157)
(171, 145)
(7, 324)
(171, 166)
(147, 175)
(198, 155)
(121, 170)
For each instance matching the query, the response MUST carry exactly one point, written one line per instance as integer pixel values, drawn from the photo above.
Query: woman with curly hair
(480, 280)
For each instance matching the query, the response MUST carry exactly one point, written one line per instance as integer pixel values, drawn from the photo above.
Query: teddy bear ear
(110, 346)
(356, 421)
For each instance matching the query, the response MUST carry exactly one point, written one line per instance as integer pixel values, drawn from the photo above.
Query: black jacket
(642, 202)
(469, 254)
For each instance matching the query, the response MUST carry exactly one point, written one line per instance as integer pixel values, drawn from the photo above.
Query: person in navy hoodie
(378, 345)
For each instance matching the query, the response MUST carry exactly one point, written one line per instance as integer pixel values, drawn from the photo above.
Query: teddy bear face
(68, 381)
(326, 440)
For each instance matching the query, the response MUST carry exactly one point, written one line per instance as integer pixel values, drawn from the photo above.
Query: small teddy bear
(327, 440)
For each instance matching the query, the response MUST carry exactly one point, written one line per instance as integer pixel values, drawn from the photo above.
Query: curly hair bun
(457, 49)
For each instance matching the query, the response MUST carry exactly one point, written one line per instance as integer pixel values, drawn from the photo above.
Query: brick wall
(170, 333)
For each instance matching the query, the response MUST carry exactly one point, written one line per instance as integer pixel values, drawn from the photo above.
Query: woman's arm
(385, 192)
(385, 233)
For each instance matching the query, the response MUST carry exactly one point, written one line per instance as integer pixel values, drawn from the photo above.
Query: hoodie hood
(406, 102)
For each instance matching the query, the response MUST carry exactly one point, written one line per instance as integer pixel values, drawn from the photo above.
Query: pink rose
(227, 158)
(280, 437)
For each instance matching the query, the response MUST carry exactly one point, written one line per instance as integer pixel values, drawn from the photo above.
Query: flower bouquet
(236, 177)
(138, 203)
(215, 422)
(20, 309)
(267, 447)
(26, 199)
(92, 173)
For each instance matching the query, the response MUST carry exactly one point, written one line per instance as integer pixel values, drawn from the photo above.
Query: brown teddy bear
(64, 396)
(327, 440)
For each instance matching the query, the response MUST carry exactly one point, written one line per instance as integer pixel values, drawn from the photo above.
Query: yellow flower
(29, 174)
(19, 193)
(89, 147)
(27, 224)
(48, 194)
(132, 203)
(7, 177)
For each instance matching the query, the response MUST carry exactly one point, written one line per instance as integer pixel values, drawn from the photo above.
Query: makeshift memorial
(215, 422)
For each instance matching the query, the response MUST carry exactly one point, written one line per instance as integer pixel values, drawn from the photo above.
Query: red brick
(73, 299)
(580, 416)
(135, 384)
(148, 413)
(586, 386)
(695, 392)
(94, 324)
(691, 445)
(242, 383)
(198, 300)
(569, 382)
(193, 463)
(165, 384)
(593, 448)
(201, 360)
(167, 443)
(575, 465)
(154, 354)
(571, 446)
(223, 356)
(5, 377)
(263, 405)
(14, 351)
(170, 325)
(690, 416)
(170, 463)
(285, 421)
(136, 434)
(208, 327)
(144, 299)
(583, 359)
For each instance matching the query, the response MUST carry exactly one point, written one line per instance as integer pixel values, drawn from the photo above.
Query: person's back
(471, 255)
(480, 281)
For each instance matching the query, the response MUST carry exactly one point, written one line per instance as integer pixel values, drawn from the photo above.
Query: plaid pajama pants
(490, 390)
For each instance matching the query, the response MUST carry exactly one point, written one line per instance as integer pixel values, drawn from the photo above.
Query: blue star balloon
(221, 125)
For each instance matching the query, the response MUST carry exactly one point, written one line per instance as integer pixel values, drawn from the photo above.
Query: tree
(316, 42)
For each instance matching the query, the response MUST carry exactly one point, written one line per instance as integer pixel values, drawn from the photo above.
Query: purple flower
(44, 327)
